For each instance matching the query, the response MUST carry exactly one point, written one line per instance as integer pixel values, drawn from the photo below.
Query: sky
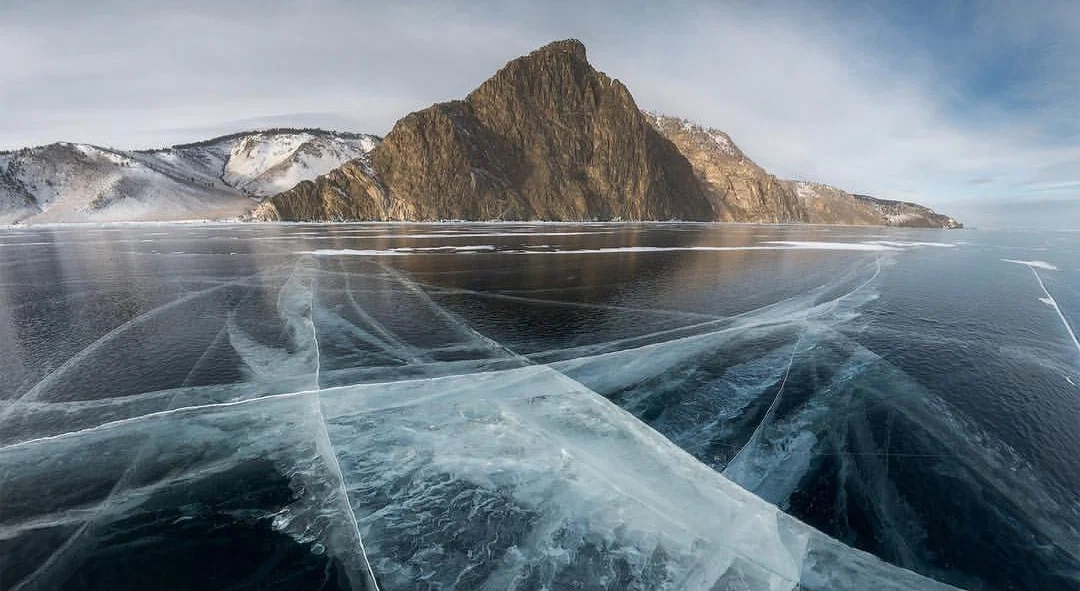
(972, 108)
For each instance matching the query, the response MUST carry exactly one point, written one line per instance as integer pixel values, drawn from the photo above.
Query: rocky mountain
(547, 137)
(550, 138)
(738, 189)
(218, 178)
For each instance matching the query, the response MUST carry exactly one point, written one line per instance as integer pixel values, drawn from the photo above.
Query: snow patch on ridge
(265, 164)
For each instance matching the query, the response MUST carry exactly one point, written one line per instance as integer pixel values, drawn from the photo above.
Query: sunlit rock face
(548, 137)
(739, 189)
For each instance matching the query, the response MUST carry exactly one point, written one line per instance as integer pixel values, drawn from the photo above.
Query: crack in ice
(43, 384)
(324, 436)
(1050, 301)
(772, 406)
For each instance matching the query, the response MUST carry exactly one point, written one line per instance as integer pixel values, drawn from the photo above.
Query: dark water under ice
(538, 407)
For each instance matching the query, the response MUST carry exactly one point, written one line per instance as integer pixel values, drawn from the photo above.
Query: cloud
(966, 107)
(115, 73)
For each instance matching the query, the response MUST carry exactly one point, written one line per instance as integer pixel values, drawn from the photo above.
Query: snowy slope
(266, 164)
(217, 178)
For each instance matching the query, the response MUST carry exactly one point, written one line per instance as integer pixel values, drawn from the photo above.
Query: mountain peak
(548, 137)
(572, 46)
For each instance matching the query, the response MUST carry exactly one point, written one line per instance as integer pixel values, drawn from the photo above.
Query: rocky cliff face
(546, 138)
(739, 189)
(907, 214)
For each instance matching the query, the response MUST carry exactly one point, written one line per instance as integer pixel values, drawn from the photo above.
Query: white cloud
(840, 98)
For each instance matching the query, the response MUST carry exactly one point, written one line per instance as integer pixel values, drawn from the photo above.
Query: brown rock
(739, 189)
(546, 138)
(828, 205)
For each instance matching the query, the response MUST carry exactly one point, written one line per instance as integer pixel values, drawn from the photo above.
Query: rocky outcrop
(908, 215)
(828, 205)
(739, 189)
(825, 204)
(350, 192)
(546, 138)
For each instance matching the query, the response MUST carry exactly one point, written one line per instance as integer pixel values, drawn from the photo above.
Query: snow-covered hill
(215, 179)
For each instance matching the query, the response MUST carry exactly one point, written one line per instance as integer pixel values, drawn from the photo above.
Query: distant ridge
(268, 131)
(214, 179)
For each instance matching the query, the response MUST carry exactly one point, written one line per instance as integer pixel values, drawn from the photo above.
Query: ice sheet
(419, 448)
(533, 492)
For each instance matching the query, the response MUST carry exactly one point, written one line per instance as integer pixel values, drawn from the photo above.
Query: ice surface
(487, 471)
(877, 246)
(404, 250)
(513, 479)
(417, 446)
(542, 460)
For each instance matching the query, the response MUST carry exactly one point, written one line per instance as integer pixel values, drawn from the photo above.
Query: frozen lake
(545, 406)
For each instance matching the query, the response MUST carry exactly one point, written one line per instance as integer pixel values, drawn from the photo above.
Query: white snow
(1037, 264)
(265, 164)
(905, 244)
(817, 245)
(326, 252)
